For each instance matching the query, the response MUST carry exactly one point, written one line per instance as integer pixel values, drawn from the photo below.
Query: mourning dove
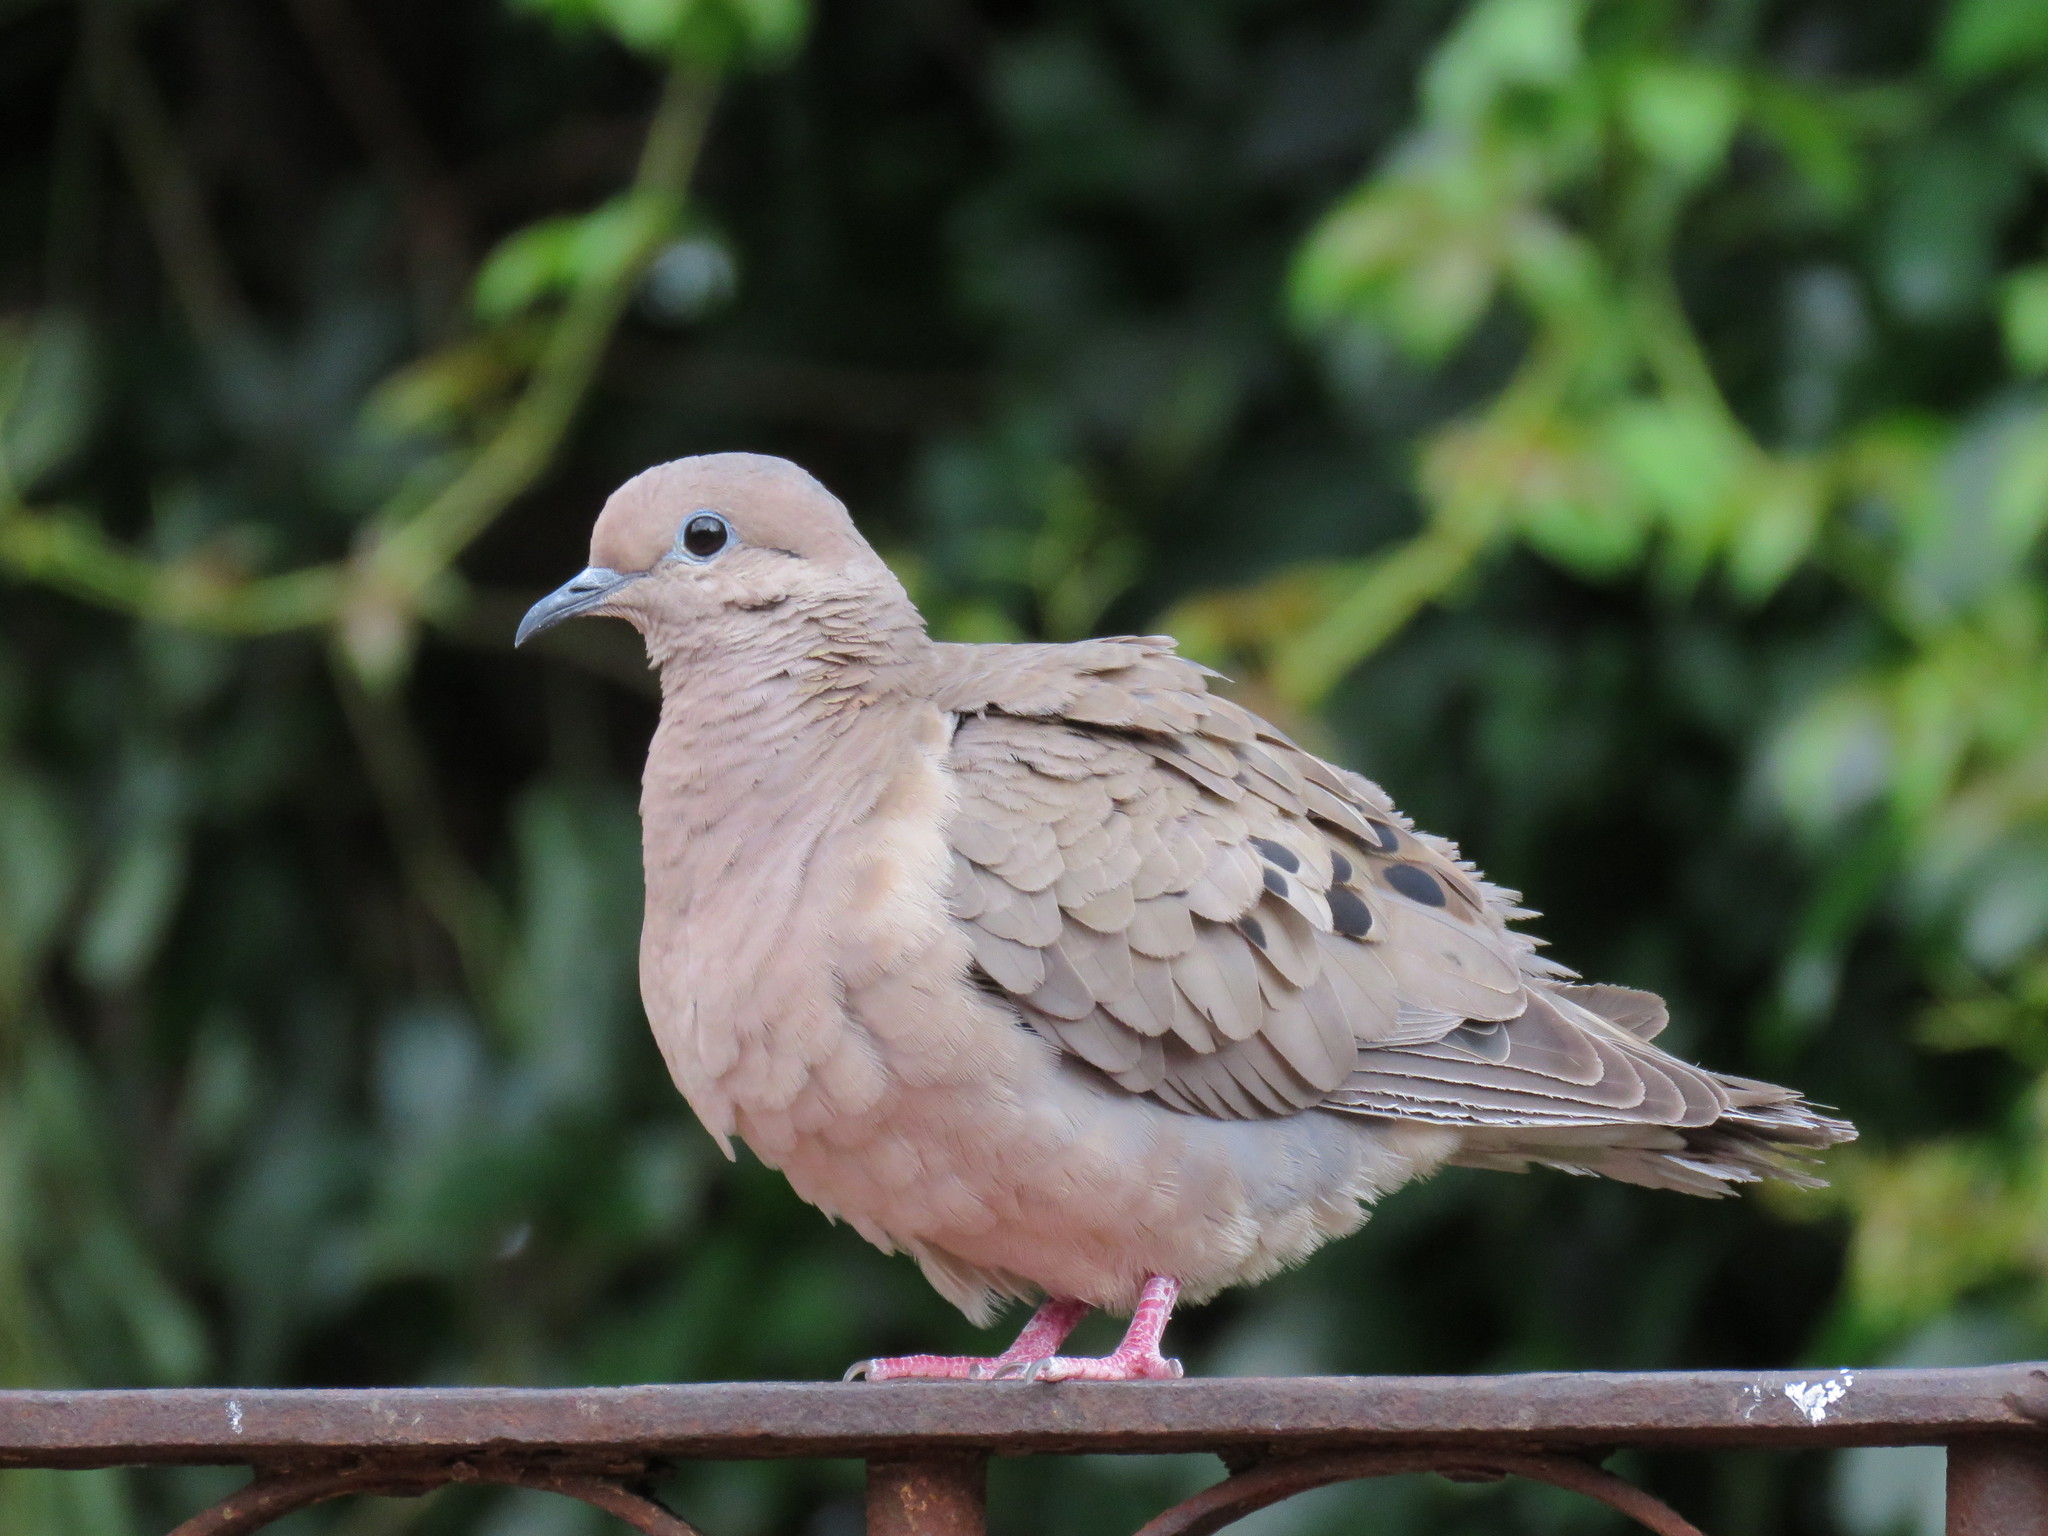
(1062, 973)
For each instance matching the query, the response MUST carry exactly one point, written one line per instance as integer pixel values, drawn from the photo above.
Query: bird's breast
(766, 926)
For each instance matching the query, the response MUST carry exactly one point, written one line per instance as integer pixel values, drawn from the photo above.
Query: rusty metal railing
(927, 1444)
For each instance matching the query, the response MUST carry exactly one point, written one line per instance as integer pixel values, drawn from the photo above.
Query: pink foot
(923, 1368)
(1121, 1365)
(1031, 1358)
(1047, 1330)
(1136, 1359)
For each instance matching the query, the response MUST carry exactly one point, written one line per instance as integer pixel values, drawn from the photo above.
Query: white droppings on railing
(1815, 1398)
(235, 1415)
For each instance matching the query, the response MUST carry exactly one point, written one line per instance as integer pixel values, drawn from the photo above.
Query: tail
(1778, 1141)
(1575, 1084)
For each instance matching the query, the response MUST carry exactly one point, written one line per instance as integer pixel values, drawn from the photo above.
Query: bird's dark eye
(705, 535)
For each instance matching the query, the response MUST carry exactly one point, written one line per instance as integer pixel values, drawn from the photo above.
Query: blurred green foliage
(1615, 425)
(1571, 168)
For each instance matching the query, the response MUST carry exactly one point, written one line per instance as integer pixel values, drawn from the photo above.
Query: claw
(858, 1369)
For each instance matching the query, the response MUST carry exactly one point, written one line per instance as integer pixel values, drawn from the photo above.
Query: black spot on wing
(1252, 929)
(1340, 867)
(1274, 853)
(1275, 882)
(1415, 883)
(1389, 839)
(1349, 913)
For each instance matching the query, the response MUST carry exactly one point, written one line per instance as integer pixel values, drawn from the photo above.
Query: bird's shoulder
(1135, 681)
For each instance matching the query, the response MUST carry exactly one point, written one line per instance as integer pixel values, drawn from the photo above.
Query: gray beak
(586, 590)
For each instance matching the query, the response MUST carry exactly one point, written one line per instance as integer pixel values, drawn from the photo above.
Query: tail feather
(1574, 1083)
(1750, 1143)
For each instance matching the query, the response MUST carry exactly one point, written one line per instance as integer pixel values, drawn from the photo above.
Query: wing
(1177, 894)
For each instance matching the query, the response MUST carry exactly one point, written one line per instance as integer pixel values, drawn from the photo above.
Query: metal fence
(927, 1444)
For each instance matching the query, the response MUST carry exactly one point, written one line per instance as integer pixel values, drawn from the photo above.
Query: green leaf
(1682, 115)
(1498, 46)
(2005, 904)
(1558, 273)
(1572, 508)
(528, 265)
(1938, 246)
(712, 33)
(560, 256)
(1811, 134)
(1409, 259)
(654, 26)
(1982, 37)
(133, 906)
(1347, 256)
(1432, 305)
(1833, 758)
(1683, 461)
(2019, 499)
(2023, 315)
(129, 911)
(1597, 539)
(1782, 511)
(772, 28)
(1986, 503)
(54, 398)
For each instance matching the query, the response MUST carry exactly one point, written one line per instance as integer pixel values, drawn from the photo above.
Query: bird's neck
(772, 736)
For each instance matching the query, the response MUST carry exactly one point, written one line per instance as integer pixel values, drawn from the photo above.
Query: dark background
(321, 1060)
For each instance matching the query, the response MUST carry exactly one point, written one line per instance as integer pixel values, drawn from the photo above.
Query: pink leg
(1136, 1359)
(1046, 1332)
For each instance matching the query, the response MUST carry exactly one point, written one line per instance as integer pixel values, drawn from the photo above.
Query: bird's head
(715, 544)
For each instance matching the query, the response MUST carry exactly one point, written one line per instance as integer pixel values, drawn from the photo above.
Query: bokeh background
(1613, 424)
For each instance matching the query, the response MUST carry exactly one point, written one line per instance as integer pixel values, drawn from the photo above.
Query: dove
(1054, 968)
